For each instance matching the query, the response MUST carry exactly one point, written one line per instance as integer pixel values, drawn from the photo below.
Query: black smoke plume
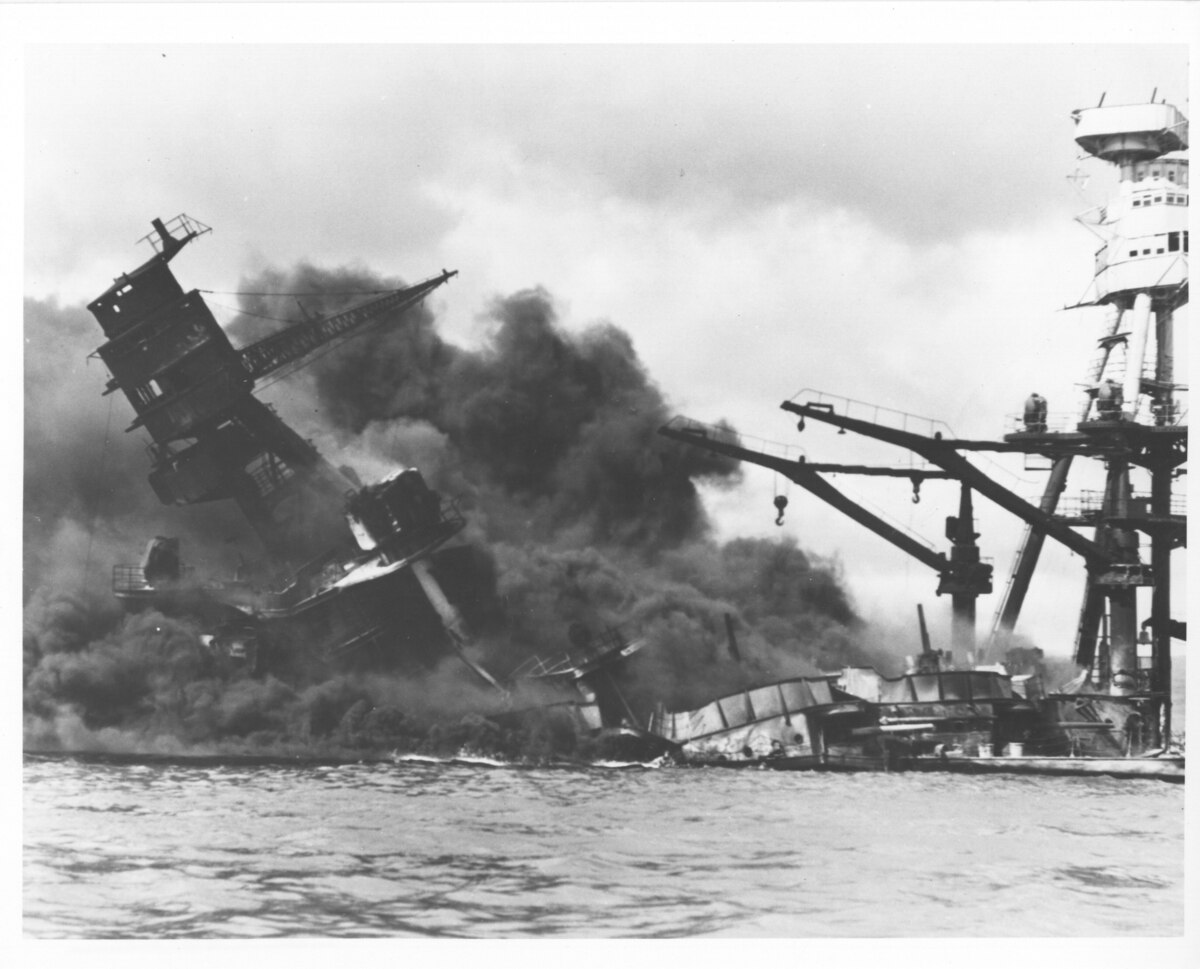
(580, 513)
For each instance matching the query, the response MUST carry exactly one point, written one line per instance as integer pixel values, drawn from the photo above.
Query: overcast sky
(892, 223)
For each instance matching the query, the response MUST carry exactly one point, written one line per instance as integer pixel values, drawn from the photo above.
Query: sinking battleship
(353, 575)
(343, 561)
(1114, 717)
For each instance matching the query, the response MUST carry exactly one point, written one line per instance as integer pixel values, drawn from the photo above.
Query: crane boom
(963, 576)
(276, 351)
(802, 474)
(943, 454)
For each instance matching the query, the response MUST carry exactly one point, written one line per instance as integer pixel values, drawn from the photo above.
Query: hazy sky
(889, 222)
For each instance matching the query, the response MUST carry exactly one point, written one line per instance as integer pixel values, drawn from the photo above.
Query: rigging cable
(261, 316)
(311, 292)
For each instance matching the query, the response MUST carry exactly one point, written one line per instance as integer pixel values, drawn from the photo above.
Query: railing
(1149, 412)
(1060, 422)
(182, 223)
(129, 578)
(1085, 505)
(873, 413)
(723, 434)
(1090, 504)
(894, 419)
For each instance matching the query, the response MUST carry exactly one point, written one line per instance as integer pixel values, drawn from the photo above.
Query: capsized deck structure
(797, 724)
(962, 721)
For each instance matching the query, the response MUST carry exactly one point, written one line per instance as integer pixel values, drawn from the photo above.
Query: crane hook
(780, 503)
(916, 498)
(800, 425)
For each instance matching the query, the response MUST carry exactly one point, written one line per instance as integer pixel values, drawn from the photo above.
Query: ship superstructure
(348, 575)
(1132, 422)
(1133, 416)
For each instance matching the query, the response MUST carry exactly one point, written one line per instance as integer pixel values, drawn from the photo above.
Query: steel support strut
(811, 481)
(1030, 552)
(1160, 598)
(942, 454)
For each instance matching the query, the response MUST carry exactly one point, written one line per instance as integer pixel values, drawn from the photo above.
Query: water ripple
(118, 850)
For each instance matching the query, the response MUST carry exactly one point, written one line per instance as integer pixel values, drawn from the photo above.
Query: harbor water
(172, 850)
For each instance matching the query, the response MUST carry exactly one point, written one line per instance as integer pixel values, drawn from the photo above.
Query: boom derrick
(943, 453)
(962, 575)
(276, 351)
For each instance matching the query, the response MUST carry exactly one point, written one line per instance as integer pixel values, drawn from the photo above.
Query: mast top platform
(1130, 132)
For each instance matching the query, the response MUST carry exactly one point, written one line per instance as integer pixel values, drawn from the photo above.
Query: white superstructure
(1142, 269)
(1146, 223)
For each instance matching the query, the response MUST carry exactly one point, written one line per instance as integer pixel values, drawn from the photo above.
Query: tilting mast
(193, 392)
(346, 565)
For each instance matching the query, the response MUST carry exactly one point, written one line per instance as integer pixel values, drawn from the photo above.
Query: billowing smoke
(87, 504)
(579, 513)
(554, 433)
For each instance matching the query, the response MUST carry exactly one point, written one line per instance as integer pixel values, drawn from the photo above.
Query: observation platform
(1130, 131)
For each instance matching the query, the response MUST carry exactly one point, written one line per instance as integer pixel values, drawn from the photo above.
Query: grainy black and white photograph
(588, 471)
